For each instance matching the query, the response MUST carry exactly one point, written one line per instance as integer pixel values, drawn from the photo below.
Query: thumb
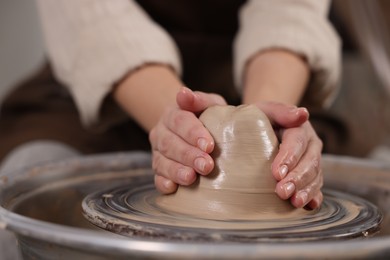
(284, 115)
(197, 102)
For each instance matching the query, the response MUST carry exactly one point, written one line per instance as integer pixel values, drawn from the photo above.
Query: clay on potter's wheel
(241, 185)
(236, 202)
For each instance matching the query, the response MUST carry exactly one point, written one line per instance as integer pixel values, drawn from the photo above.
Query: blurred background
(357, 124)
(21, 42)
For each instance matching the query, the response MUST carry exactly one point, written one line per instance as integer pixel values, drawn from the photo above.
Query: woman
(109, 53)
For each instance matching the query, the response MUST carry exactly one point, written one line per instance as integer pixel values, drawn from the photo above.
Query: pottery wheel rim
(113, 210)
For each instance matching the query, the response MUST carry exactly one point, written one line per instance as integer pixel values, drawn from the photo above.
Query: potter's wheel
(41, 205)
(236, 201)
(132, 210)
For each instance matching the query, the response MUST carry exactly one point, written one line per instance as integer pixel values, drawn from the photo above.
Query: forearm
(146, 92)
(275, 75)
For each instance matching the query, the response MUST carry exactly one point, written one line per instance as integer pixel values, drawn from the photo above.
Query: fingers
(187, 126)
(297, 164)
(293, 146)
(297, 167)
(284, 115)
(180, 145)
(164, 185)
(300, 197)
(171, 170)
(174, 149)
(316, 201)
(197, 101)
(305, 195)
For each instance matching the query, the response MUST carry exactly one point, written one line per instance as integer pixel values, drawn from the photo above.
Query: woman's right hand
(181, 145)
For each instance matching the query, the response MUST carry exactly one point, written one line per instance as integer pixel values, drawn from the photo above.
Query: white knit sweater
(92, 44)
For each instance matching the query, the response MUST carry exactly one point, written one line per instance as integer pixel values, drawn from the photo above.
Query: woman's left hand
(297, 166)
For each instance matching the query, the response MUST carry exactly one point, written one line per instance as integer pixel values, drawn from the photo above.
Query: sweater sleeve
(300, 26)
(92, 44)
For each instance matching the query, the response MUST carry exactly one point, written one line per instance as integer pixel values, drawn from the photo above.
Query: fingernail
(294, 110)
(302, 196)
(297, 110)
(200, 164)
(203, 144)
(183, 176)
(304, 109)
(186, 89)
(283, 171)
(288, 189)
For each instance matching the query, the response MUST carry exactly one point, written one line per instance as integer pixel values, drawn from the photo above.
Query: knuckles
(164, 144)
(156, 162)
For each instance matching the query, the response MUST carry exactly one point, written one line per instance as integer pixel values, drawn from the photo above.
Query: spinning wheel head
(133, 211)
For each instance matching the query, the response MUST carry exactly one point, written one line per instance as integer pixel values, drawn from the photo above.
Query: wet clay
(241, 185)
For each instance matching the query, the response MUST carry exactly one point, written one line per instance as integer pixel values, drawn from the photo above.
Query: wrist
(145, 93)
(275, 75)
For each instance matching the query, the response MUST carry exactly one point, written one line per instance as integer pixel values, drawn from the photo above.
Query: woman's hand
(180, 143)
(297, 166)
(282, 76)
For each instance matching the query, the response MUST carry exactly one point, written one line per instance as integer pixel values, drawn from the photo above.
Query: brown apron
(41, 108)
